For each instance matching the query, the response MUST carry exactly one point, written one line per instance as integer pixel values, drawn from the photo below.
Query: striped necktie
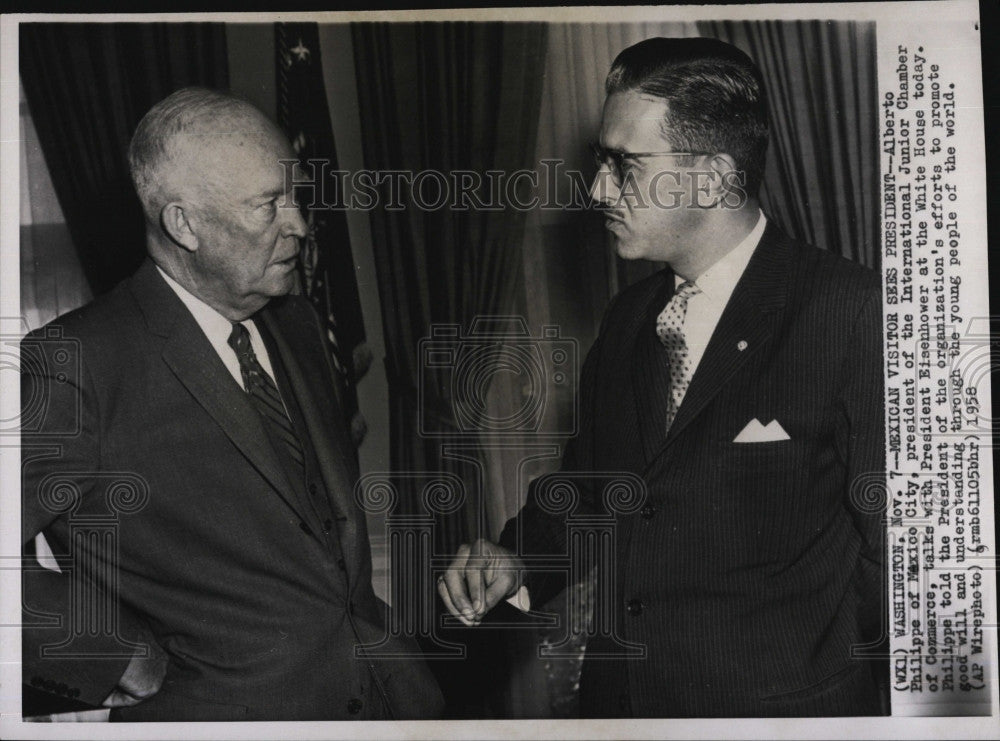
(263, 391)
(670, 330)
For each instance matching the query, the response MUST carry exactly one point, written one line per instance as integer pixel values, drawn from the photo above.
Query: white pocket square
(755, 432)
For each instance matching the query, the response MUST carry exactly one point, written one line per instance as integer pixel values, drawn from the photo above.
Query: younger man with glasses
(743, 384)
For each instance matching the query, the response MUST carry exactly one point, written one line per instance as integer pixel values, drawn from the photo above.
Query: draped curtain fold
(580, 55)
(446, 97)
(822, 177)
(87, 86)
(52, 281)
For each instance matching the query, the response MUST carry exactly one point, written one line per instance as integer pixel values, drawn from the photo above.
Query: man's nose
(604, 190)
(295, 225)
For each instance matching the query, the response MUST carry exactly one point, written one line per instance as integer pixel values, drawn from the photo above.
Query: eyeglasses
(614, 159)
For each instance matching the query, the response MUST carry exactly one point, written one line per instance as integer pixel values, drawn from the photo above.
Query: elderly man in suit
(203, 422)
(743, 384)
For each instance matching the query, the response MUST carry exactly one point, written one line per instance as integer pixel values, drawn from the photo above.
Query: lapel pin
(741, 345)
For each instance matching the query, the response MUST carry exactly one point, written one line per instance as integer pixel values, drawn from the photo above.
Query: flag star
(301, 52)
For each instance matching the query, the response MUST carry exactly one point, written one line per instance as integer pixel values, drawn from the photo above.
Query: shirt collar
(717, 283)
(215, 326)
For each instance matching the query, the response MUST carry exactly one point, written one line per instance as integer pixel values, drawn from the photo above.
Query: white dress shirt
(717, 284)
(217, 329)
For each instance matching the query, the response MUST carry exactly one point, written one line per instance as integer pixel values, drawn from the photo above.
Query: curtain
(87, 85)
(447, 97)
(822, 177)
(570, 270)
(444, 97)
(52, 281)
(326, 265)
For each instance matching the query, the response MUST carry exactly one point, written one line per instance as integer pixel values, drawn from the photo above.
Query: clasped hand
(482, 574)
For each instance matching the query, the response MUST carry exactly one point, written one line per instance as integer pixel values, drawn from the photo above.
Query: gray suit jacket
(216, 554)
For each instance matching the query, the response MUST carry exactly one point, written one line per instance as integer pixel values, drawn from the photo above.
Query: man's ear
(724, 178)
(176, 223)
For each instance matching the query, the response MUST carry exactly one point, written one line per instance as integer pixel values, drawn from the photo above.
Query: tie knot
(239, 340)
(686, 290)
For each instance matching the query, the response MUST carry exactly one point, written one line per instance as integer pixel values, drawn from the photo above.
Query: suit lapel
(196, 365)
(321, 412)
(193, 360)
(650, 369)
(743, 329)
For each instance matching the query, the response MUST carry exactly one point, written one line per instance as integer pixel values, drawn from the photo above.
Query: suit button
(354, 706)
(305, 528)
(648, 511)
(312, 489)
(634, 607)
(341, 564)
(327, 525)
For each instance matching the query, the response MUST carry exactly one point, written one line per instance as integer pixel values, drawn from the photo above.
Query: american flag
(327, 265)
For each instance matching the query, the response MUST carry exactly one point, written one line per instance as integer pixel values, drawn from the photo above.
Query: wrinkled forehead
(633, 122)
(238, 156)
(245, 131)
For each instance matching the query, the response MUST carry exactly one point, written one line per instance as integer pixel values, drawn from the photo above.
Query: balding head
(210, 170)
(179, 140)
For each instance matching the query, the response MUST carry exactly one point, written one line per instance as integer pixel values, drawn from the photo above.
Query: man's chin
(281, 283)
(626, 249)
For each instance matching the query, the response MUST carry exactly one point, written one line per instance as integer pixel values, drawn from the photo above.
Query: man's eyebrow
(267, 195)
(612, 150)
(629, 155)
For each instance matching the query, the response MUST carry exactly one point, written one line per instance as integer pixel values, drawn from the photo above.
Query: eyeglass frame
(617, 157)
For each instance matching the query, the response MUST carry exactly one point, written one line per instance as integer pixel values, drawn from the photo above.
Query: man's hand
(481, 575)
(142, 679)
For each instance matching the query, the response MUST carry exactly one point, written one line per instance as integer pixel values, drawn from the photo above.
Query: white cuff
(521, 600)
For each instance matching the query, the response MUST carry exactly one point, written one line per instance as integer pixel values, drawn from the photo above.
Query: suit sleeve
(536, 531)
(60, 443)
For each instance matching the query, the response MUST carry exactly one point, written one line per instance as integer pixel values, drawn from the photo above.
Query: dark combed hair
(715, 96)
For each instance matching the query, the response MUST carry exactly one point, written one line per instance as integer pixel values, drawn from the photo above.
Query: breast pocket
(763, 487)
(764, 458)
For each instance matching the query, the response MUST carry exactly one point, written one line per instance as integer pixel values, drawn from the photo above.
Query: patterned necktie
(670, 330)
(263, 392)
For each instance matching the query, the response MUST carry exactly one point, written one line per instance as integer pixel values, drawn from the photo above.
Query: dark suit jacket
(753, 570)
(223, 563)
